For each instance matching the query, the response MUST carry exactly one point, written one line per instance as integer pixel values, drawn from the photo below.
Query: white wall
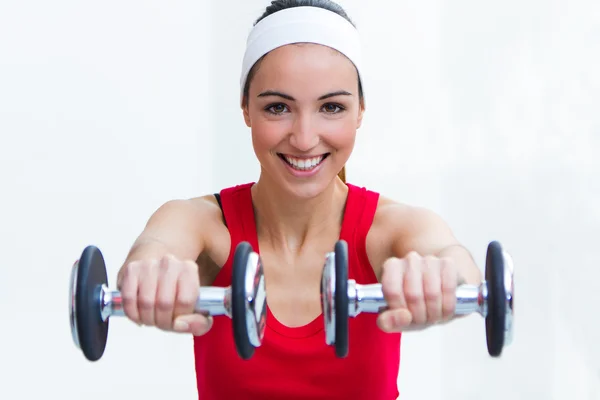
(482, 111)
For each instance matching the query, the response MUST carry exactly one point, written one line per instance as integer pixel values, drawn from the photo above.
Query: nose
(304, 136)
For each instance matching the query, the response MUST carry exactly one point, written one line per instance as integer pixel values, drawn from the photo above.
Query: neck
(287, 221)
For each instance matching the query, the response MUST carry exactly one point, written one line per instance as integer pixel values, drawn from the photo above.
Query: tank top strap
(238, 212)
(361, 206)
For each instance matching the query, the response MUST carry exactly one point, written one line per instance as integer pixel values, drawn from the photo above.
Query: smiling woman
(304, 65)
(301, 95)
(304, 107)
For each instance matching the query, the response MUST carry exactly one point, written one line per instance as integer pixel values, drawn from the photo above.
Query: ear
(361, 111)
(246, 113)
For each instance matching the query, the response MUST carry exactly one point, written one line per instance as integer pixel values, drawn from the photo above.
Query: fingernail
(388, 323)
(180, 326)
(206, 325)
(395, 321)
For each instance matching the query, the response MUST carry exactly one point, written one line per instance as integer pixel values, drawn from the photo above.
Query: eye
(332, 108)
(278, 108)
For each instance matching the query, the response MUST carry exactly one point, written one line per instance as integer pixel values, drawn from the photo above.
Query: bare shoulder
(194, 213)
(189, 227)
(400, 228)
(216, 234)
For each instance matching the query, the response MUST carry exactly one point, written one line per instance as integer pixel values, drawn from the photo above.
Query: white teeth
(304, 164)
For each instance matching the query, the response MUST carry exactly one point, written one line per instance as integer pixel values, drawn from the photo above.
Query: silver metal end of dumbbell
(328, 297)
(365, 298)
(470, 298)
(111, 303)
(255, 300)
(510, 289)
(73, 304)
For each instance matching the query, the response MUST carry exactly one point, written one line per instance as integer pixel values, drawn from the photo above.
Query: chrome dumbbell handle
(370, 299)
(211, 301)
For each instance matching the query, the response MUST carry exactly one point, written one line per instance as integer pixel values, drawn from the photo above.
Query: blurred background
(485, 112)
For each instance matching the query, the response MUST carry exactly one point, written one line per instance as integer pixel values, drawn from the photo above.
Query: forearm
(468, 272)
(174, 229)
(146, 248)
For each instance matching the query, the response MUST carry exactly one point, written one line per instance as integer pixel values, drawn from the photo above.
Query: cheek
(267, 134)
(340, 134)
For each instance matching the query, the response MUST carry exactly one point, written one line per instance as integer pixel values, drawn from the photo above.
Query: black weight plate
(341, 299)
(496, 318)
(92, 331)
(238, 300)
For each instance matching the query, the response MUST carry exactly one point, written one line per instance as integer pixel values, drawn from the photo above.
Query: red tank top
(295, 363)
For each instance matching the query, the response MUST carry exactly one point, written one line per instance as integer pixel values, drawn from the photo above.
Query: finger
(395, 320)
(392, 283)
(432, 289)
(165, 295)
(147, 293)
(449, 276)
(188, 289)
(196, 324)
(397, 316)
(129, 290)
(413, 289)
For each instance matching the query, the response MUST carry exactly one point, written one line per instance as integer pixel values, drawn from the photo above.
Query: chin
(307, 190)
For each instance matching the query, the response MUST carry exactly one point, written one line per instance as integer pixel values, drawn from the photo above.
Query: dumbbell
(342, 298)
(91, 303)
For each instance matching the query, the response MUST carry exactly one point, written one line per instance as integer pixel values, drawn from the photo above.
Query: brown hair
(342, 174)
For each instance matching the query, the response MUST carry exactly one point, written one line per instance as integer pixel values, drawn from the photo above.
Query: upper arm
(179, 227)
(420, 230)
(399, 229)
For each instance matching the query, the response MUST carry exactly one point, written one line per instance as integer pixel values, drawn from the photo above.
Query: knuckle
(447, 261)
(186, 300)
(447, 311)
(165, 304)
(128, 297)
(432, 261)
(448, 266)
(131, 269)
(392, 263)
(391, 291)
(432, 294)
(413, 295)
(449, 286)
(413, 256)
(146, 302)
(166, 261)
(189, 269)
(414, 266)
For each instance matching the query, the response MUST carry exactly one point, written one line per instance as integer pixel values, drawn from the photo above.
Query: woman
(302, 98)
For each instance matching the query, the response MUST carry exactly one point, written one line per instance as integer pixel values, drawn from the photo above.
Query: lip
(303, 174)
(303, 157)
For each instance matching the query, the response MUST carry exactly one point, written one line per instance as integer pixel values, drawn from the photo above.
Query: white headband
(301, 25)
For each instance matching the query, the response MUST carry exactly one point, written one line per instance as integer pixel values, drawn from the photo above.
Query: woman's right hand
(163, 293)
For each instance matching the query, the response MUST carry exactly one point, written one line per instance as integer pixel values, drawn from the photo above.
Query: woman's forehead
(306, 64)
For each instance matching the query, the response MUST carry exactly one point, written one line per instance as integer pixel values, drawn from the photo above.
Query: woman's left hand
(420, 291)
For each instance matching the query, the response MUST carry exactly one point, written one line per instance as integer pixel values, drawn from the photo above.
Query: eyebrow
(290, 98)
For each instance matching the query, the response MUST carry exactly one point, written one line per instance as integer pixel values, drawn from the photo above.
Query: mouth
(303, 164)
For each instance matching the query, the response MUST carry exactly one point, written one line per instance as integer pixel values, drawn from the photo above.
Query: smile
(303, 164)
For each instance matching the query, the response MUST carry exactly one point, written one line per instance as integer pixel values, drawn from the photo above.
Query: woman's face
(303, 109)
